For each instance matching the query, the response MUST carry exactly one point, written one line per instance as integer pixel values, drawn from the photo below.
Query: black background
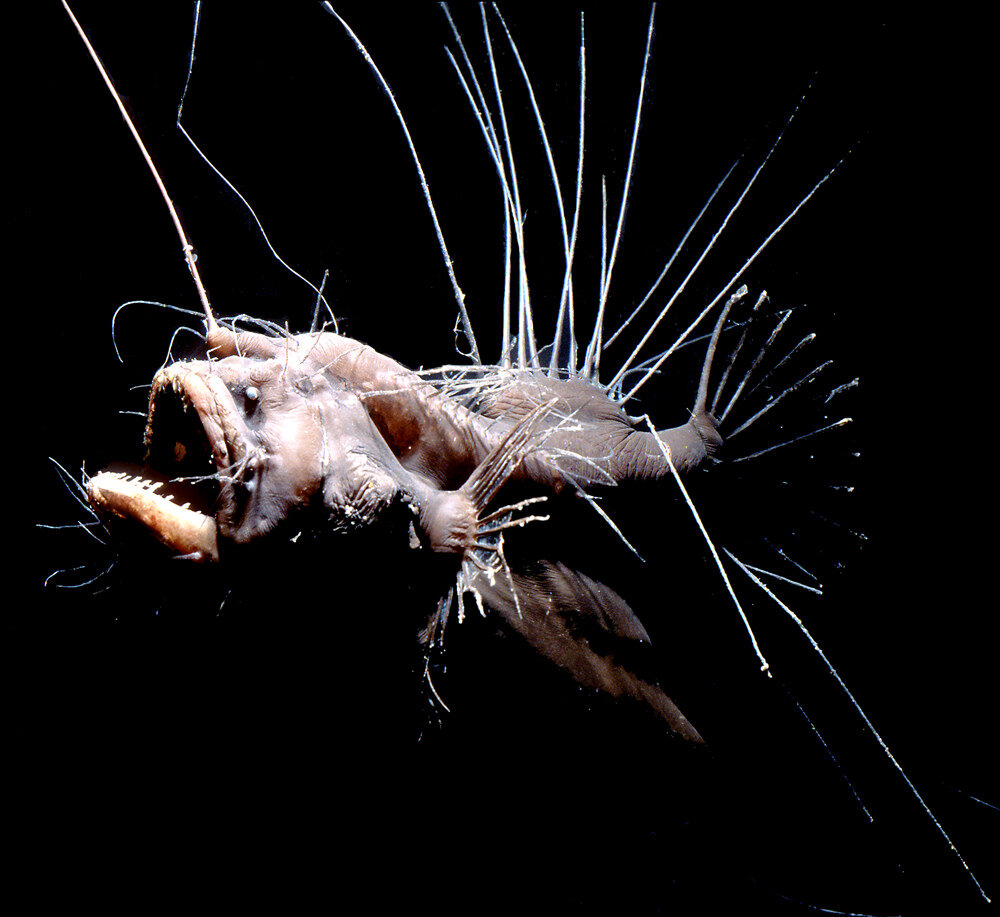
(134, 713)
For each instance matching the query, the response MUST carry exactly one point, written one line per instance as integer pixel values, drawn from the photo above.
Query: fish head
(238, 446)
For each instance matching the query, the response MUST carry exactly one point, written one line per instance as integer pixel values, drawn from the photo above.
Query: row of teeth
(158, 387)
(178, 389)
(144, 484)
(175, 384)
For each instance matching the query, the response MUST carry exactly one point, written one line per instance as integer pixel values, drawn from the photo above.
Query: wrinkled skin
(277, 435)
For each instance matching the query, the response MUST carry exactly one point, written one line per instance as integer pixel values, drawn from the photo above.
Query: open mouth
(194, 457)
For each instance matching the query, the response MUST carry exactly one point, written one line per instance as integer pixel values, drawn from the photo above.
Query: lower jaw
(188, 532)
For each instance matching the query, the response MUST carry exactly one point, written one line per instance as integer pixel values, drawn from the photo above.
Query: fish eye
(251, 393)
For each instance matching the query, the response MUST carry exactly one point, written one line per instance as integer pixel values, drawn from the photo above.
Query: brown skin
(442, 440)
(322, 424)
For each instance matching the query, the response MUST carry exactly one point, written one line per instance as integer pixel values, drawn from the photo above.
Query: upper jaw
(194, 435)
(202, 390)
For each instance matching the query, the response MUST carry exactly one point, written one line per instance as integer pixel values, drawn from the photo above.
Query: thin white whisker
(459, 295)
(864, 717)
(592, 368)
(767, 344)
(85, 527)
(665, 449)
(832, 426)
(186, 246)
(711, 245)
(486, 126)
(673, 257)
(79, 585)
(68, 480)
(793, 562)
(808, 339)
(594, 505)
(542, 132)
(482, 113)
(783, 579)
(566, 296)
(187, 136)
(753, 365)
(741, 271)
(321, 300)
(854, 383)
(147, 302)
(795, 386)
(526, 347)
(725, 374)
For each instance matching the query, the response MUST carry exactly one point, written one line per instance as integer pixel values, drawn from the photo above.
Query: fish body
(389, 256)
